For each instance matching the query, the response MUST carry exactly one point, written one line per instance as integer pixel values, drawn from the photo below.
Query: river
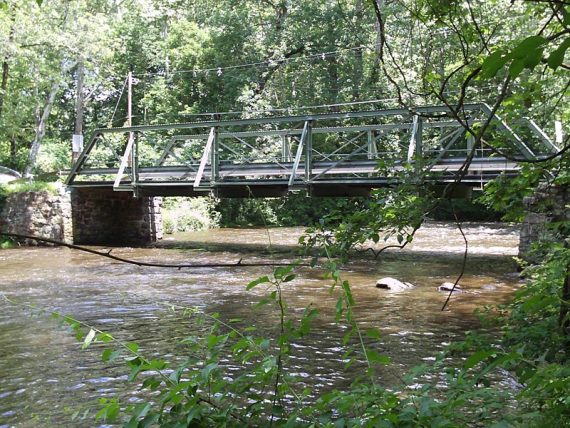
(45, 377)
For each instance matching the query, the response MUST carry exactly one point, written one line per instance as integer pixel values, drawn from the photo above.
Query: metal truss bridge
(328, 154)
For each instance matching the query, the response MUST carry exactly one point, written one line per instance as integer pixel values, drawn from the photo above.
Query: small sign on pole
(77, 143)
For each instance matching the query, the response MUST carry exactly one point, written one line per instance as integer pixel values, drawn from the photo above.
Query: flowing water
(45, 377)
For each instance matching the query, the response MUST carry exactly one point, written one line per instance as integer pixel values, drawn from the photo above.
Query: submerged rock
(393, 284)
(448, 286)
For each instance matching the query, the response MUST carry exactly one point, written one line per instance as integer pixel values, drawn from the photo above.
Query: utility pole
(77, 142)
(130, 98)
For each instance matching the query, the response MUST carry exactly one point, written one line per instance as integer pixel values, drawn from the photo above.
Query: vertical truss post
(135, 165)
(419, 137)
(308, 151)
(215, 156)
(412, 148)
(372, 149)
(285, 149)
(470, 142)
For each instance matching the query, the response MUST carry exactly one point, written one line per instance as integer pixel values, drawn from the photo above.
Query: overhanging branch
(139, 263)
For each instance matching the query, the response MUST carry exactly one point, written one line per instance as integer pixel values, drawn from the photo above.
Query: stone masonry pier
(105, 217)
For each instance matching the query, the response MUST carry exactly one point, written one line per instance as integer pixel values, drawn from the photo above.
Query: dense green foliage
(195, 57)
(270, 57)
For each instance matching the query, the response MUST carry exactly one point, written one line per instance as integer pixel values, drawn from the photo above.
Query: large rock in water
(393, 284)
(448, 286)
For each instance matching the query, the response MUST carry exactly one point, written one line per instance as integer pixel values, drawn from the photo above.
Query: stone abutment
(97, 216)
(546, 208)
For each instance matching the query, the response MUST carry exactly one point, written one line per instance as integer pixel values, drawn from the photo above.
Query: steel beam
(528, 153)
(285, 119)
(308, 152)
(285, 149)
(319, 130)
(546, 142)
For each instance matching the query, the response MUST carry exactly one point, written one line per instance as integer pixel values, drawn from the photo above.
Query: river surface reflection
(45, 377)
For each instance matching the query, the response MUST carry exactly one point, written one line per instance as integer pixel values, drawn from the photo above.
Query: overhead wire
(289, 109)
(220, 73)
(281, 60)
(119, 99)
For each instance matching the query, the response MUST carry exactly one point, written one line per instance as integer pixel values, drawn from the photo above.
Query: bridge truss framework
(334, 154)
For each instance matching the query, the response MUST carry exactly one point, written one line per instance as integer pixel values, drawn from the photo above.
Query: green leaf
(377, 358)
(109, 355)
(88, 339)
(339, 309)
(133, 347)
(212, 340)
(205, 372)
(517, 66)
(557, 56)
(281, 271)
(141, 410)
(373, 333)
(105, 337)
(290, 277)
(109, 412)
(256, 282)
(527, 46)
(493, 63)
(476, 358)
(151, 383)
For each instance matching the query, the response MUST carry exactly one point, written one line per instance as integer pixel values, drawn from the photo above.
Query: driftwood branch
(147, 264)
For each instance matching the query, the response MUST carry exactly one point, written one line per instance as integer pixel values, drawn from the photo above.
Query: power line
(288, 109)
(221, 69)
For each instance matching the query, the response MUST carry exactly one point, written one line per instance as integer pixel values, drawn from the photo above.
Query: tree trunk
(6, 69)
(4, 84)
(41, 120)
(374, 74)
(358, 58)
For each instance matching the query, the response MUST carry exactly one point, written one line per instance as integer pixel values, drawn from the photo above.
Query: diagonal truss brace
(205, 157)
(526, 151)
(300, 148)
(127, 157)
